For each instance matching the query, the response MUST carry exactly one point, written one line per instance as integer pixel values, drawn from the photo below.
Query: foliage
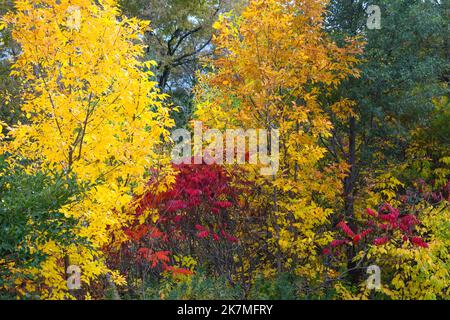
(271, 64)
(353, 172)
(91, 107)
(193, 218)
(9, 86)
(410, 245)
(282, 287)
(181, 34)
(429, 151)
(30, 216)
(403, 70)
(200, 287)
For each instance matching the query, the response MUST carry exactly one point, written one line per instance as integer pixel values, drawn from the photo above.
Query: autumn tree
(180, 36)
(9, 85)
(93, 112)
(403, 71)
(272, 64)
(30, 214)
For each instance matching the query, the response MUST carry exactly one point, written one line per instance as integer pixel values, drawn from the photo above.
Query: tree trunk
(162, 82)
(349, 181)
(349, 197)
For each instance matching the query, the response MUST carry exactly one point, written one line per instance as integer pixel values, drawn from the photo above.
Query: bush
(30, 217)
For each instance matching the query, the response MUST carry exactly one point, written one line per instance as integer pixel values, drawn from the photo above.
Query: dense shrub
(30, 217)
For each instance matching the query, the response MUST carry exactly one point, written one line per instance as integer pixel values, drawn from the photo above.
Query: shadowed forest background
(90, 92)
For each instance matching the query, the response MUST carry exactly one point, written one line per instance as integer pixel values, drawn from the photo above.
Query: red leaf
(384, 226)
(175, 205)
(408, 221)
(203, 234)
(155, 234)
(337, 243)
(228, 236)
(223, 204)
(177, 218)
(162, 255)
(199, 227)
(371, 212)
(380, 241)
(193, 192)
(366, 232)
(418, 241)
(182, 271)
(346, 229)
(385, 217)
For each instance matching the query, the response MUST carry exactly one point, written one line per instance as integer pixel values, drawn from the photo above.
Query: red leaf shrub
(192, 214)
(380, 225)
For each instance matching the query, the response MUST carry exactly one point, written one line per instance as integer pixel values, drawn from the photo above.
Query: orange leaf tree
(272, 66)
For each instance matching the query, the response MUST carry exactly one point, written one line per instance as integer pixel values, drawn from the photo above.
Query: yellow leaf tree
(94, 112)
(272, 66)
